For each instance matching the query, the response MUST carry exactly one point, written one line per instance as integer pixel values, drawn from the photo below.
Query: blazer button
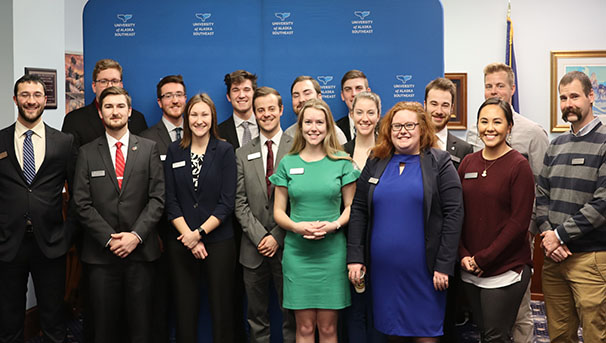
(267, 207)
(196, 205)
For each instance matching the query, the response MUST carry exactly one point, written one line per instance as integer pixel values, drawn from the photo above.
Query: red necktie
(119, 164)
(270, 166)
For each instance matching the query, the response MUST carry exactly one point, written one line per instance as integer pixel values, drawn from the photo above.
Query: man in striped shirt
(571, 203)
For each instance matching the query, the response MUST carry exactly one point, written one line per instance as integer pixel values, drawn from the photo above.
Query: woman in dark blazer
(405, 225)
(200, 175)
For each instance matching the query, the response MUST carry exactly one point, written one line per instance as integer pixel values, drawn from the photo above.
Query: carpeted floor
(468, 332)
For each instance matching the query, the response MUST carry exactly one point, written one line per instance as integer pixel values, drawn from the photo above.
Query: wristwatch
(202, 233)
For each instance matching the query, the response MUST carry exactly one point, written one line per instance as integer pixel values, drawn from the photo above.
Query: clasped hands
(314, 230)
(552, 247)
(123, 243)
(191, 240)
(468, 263)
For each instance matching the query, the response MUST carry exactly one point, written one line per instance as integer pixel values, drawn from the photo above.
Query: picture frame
(49, 77)
(592, 63)
(458, 119)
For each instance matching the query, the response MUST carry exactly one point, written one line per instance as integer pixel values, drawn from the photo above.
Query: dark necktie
(178, 133)
(270, 167)
(29, 162)
(119, 164)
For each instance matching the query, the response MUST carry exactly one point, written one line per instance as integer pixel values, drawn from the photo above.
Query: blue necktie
(29, 162)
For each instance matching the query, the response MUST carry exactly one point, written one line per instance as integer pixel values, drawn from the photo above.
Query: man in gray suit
(262, 239)
(119, 198)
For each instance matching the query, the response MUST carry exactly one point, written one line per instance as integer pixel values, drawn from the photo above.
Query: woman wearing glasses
(405, 225)
(498, 189)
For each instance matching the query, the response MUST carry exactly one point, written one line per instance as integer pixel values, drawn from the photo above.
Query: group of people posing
(371, 228)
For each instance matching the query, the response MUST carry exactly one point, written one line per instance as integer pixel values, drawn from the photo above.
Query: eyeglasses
(27, 95)
(169, 96)
(409, 126)
(105, 82)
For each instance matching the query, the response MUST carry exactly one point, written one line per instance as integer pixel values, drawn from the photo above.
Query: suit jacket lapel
(131, 158)
(257, 163)
(209, 156)
(103, 149)
(163, 134)
(428, 184)
(49, 150)
(9, 142)
(381, 165)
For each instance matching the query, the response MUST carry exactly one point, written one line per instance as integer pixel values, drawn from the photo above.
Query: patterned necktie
(178, 133)
(29, 162)
(119, 164)
(246, 136)
(270, 166)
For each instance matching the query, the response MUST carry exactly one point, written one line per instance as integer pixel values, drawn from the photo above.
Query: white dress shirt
(443, 138)
(111, 141)
(170, 127)
(38, 141)
(252, 126)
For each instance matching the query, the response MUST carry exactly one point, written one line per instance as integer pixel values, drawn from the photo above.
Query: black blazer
(103, 208)
(442, 207)
(216, 187)
(343, 124)
(42, 201)
(86, 125)
(227, 131)
(159, 134)
(457, 148)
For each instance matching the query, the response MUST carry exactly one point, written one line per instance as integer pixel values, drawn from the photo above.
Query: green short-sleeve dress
(315, 271)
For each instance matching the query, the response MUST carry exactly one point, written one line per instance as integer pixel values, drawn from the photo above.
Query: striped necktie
(119, 164)
(29, 162)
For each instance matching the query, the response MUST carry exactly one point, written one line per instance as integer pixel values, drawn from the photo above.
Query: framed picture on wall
(74, 81)
(49, 77)
(458, 119)
(592, 63)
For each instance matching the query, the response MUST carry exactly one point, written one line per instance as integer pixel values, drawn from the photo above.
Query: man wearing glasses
(84, 123)
(171, 99)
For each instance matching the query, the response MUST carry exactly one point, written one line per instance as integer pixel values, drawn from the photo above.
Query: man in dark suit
(440, 95)
(241, 127)
(119, 199)
(352, 83)
(84, 123)
(171, 99)
(262, 239)
(35, 162)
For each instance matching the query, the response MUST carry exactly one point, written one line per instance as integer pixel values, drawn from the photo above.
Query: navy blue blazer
(216, 187)
(442, 207)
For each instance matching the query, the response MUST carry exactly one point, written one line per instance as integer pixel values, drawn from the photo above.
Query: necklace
(486, 168)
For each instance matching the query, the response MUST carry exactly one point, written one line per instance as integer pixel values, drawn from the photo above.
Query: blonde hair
(330, 144)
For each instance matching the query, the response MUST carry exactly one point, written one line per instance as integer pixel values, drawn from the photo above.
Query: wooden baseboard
(32, 323)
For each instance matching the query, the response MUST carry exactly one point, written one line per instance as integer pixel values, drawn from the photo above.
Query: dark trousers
(161, 303)
(359, 319)
(187, 273)
(121, 288)
(495, 309)
(257, 283)
(49, 283)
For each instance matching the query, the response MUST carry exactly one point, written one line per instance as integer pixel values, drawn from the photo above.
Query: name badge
(253, 156)
(97, 173)
(178, 164)
(3, 154)
(162, 157)
(297, 171)
(455, 158)
(473, 175)
(577, 161)
(373, 180)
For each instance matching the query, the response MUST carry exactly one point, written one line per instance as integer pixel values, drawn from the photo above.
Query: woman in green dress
(313, 178)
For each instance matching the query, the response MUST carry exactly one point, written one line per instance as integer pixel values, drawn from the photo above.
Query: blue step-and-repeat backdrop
(398, 44)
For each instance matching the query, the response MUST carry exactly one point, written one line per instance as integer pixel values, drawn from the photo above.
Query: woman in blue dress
(405, 226)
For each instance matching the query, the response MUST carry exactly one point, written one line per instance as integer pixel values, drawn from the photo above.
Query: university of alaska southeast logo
(404, 78)
(282, 15)
(361, 14)
(203, 16)
(124, 17)
(325, 79)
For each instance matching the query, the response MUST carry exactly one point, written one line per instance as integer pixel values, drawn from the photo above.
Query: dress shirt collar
(238, 121)
(275, 139)
(20, 129)
(111, 141)
(587, 128)
(170, 127)
(443, 137)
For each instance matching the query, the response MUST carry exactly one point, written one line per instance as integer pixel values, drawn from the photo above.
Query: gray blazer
(254, 209)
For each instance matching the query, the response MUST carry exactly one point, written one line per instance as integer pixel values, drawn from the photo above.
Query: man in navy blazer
(35, 162)
(119, 199)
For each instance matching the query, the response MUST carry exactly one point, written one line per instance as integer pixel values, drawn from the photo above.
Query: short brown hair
(385, 147)
(497, 67)
(265, 91)
(104, 64)
(577, 75)
(169, 79)
(354, 74)
(200, 97)
(442, 84)
(113, 90)
(306, 78)
(238, 77)
(29, 78)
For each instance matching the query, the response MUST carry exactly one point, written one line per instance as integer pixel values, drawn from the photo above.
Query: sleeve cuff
(558, 236)
(138, 237)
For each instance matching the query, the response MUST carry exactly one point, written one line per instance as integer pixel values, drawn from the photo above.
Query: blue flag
(510, 59)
